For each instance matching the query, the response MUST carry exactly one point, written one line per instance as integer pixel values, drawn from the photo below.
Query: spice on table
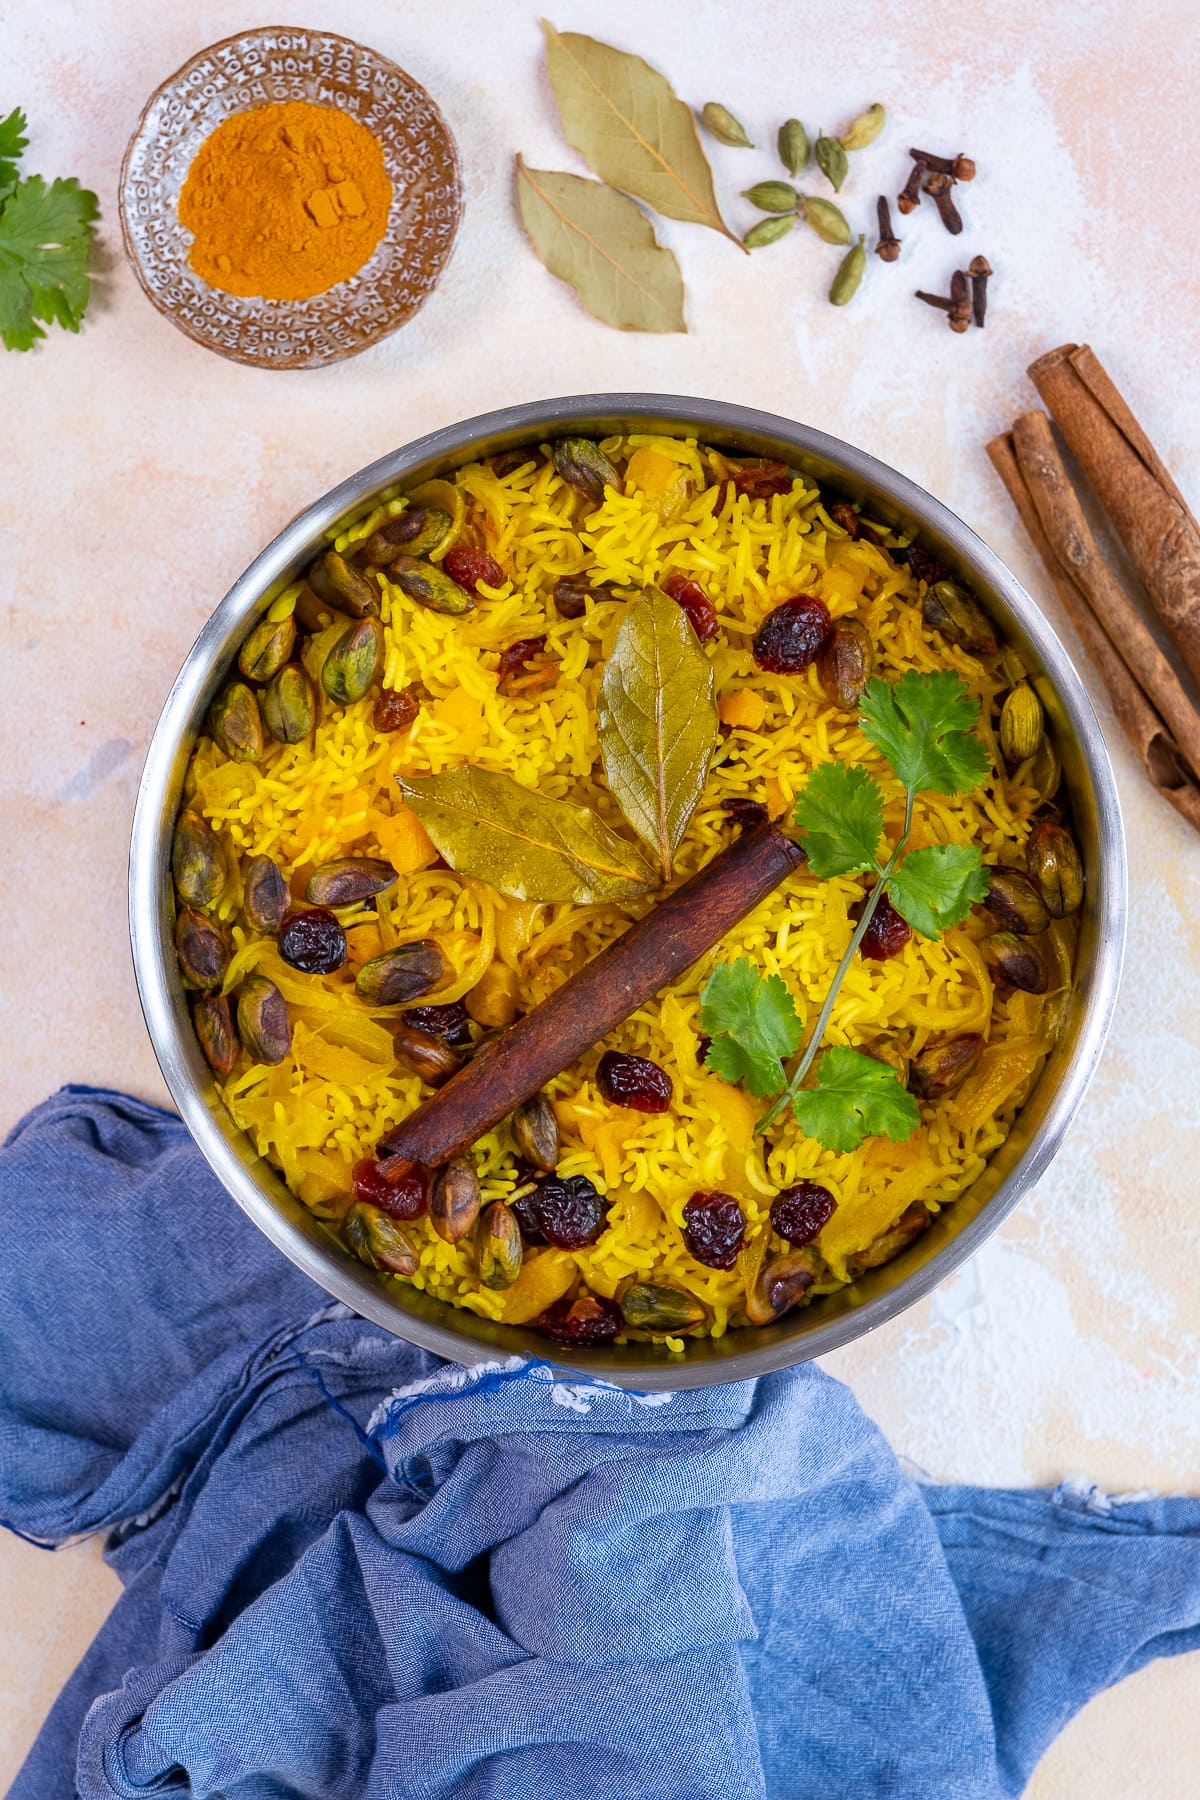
(848, 279)
(832, 161)
(888, 247)
(960, 302)
(285, 201)
(979, 268)
(720, 123)
(792, 144)
(960, 167)
(865, 128)
(942, 301)
(909, 197)
(938, 186)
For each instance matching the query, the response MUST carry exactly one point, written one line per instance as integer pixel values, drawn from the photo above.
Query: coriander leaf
(925, 726)
(45, 242)
(12, 142)
(937, 887)
(753, 1023)
(855, 1097)
(840, 813)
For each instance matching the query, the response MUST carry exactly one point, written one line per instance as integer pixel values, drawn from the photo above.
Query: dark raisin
(925, 567)
(514, 659)
(585, 1320)
(395, 709)
(689, 595)
(745, 813)
(800, 1212)
(703, 1046)
(312, 941)
(762, 478)
(793, 635)
(469, 567)
(887, 933)
(713, 1228)
(566, 1212)
(844, 515)
(633, 1081)
(404, 1198)
(505, 461)
(450, 1023)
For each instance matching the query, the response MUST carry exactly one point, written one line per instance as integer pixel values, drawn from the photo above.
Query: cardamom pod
(864, 129)
(773, 196)
(793, 146)
(767, 231)
(720, 123)
(826, 219)
(845, 283)
(832, 161)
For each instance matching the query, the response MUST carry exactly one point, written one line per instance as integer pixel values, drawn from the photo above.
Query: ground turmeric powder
(285, 201)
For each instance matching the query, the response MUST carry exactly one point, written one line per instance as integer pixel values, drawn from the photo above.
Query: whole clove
(941, 301)
(960, 301)
(960, 167)
(909, 197)
(938, 186)
(979, 269)
(888, 247)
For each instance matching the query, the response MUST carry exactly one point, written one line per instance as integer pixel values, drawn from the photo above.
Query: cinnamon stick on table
(1132, 483)
(651, 954)
(1159, 752)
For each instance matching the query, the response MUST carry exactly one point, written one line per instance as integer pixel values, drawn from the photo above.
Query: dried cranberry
(793, 635)
(633, 1081)
(695, 602)
(745, 813)
(514, 658)
(585, 1320)
(887, 933)
(403, 1198)
(395, 709)
(469, 567)
(450, 1023)
(564, 1211)
(800, 1212)
(312, 941)
(713, 1228)
(763, 478)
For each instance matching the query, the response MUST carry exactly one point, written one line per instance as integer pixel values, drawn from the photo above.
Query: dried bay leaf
(631, 128)
(657, 722)
(522, 843)
(604, 246)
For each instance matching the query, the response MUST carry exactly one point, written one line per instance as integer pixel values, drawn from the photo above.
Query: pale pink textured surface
(142, 474)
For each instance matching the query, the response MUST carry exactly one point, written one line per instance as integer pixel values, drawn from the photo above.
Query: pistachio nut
(1021, 722)
(378, 1241)
(954, 612)
(265, 896)
(767, 231)
(845, 663)
(353, 661)
(349, 880)
(202, 948)
(1017, 961)
(535, 1133)
(865, 128)
(650, 1306)
(212, 1020)
(584, 467)
(418, 531)
(848, 279)
(263, 1022)
(289, 705)
(454, 1200)
(429, 586)
(236, 723)
(498, 1246)
(773, 196)
(793, 146)
(911, 1223)
(720, 123)
(1055, 867)
(780, 1284)
(425, 1054)
(944, 1065)
(831, 159)
(887, 1050)
(399, 976)
(313, 614)
(267, 648)
(197, 862)
(339, 584)
(826, 219)
(1042, 771)
(1014, 902)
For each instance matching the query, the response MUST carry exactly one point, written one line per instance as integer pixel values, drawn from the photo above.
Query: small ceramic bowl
(258, 68)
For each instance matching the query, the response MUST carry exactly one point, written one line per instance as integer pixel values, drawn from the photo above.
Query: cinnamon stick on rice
(1153, 743)
(1133, 485)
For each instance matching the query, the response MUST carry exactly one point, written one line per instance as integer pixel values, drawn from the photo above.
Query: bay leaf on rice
(657, 722)
(631, 128)
(604, 246)
(523, 843)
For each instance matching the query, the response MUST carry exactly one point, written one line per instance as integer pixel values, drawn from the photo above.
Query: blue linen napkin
(354, 1570)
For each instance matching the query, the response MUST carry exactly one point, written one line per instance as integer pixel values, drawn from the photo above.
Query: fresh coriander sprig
(924, 726)
(45, 243)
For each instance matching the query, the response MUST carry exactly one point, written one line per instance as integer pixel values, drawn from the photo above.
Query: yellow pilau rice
(340, 1088)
